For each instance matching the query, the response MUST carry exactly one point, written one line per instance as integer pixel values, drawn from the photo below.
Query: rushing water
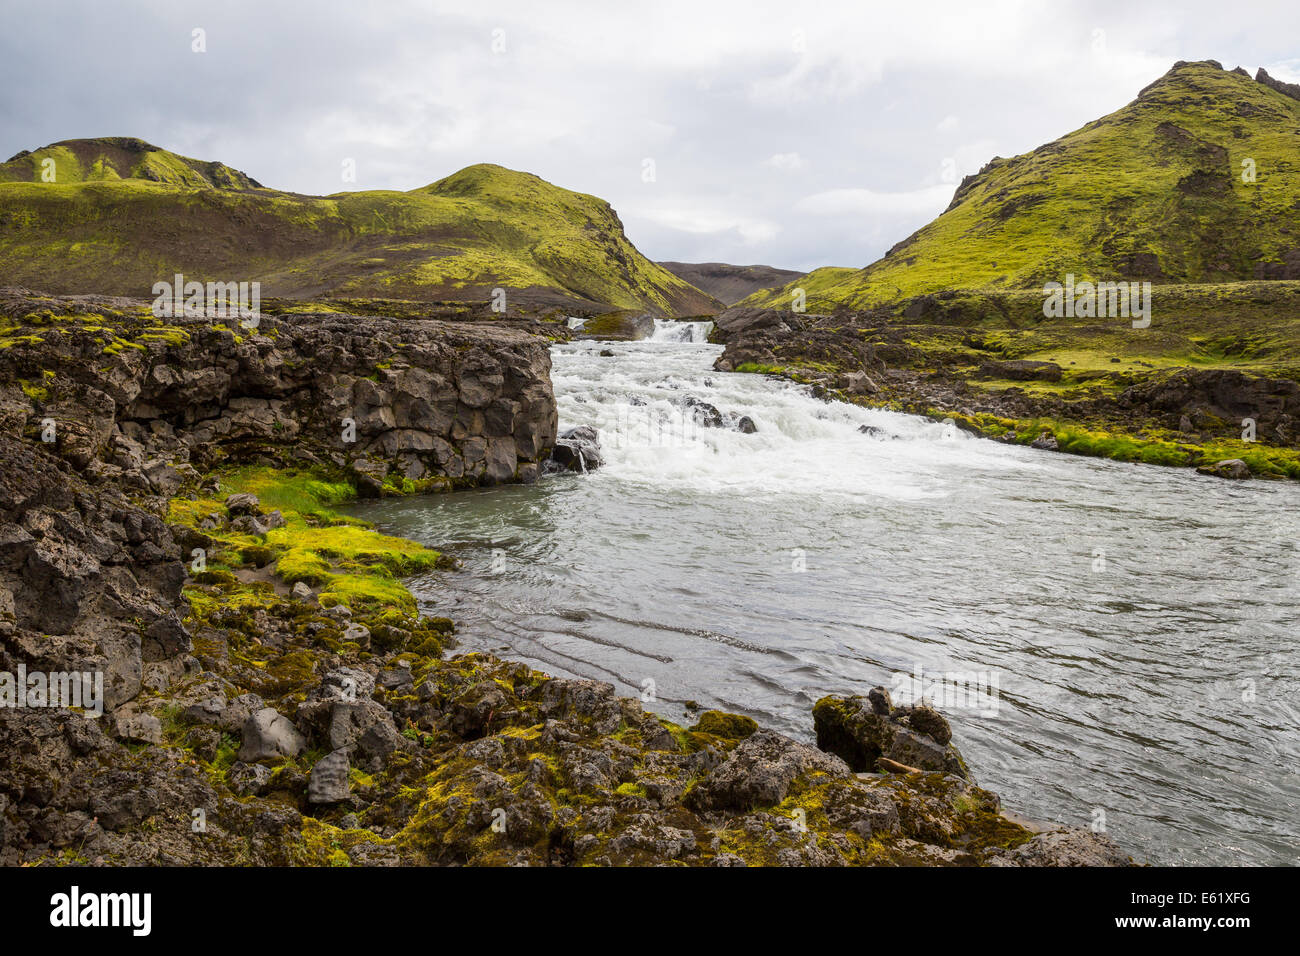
(1139, 622)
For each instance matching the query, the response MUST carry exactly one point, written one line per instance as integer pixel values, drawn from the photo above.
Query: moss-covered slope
(1161, 189)
(116, 215)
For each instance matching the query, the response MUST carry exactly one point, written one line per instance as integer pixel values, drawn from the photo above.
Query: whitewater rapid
(638, 399)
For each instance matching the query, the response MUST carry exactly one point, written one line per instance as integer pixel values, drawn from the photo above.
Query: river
(1130, 631)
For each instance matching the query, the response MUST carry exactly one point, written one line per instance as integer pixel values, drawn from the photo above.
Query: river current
(1115, 645)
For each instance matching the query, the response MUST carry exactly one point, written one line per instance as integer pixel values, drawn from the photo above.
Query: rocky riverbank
(1188, 395)
(272, 694)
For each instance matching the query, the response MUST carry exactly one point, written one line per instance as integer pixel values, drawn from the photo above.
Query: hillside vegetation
(121, 214)
(1159, 190)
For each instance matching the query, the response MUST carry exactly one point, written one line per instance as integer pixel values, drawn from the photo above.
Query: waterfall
(668, 330)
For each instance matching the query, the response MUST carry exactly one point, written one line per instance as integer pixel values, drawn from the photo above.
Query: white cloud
(786, 162)
(868, 202)
(704, 221)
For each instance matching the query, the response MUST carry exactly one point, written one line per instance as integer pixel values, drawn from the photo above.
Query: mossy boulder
(862, 730)
(721, 724)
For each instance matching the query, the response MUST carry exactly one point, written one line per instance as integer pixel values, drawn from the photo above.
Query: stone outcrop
(578, 449)
(863, 730)
(1286, 89)
(392, 401)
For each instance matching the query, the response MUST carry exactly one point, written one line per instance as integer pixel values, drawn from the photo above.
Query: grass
(348, 560)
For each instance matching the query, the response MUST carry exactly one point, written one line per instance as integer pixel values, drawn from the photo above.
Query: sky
(794, 134)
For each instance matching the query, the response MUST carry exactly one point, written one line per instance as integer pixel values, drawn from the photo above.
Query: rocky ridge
(420, 405)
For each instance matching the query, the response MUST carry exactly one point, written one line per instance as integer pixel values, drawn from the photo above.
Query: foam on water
(803, 446)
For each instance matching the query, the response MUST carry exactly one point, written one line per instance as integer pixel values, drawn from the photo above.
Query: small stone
(140, 729)
(881, 704)
(301, 591)
(357, 634)
(1233, 468)
(329, 778)
(243, 504)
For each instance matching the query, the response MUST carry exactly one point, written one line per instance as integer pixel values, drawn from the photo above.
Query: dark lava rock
(759, 772)
(1045, 442)
(577, 449)
(1022, 370)
(858, 730)
(704, 414)
(1233, 468)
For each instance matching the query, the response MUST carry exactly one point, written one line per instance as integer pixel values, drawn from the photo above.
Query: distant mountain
(1196, 180)
(121, 214)
(727, 283)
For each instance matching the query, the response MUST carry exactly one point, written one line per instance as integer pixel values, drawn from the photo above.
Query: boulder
(140, 728)
(577, 449)
(268, 734)
(731, 726)
(859, 383)
(703, 414)
(243, 504)
(862, 730)
(1046, 441)
(328, 782)
(1233, 468)
(1070, 847)
(249, 779)
(759, 772)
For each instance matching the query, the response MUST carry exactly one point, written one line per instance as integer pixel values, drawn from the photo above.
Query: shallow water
(1135, 626)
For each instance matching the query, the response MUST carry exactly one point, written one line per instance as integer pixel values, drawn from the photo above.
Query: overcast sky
(796, 134)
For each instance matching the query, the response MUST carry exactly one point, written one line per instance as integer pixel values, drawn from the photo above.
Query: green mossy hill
(121, 215)
(114, 158)
(1152, 191)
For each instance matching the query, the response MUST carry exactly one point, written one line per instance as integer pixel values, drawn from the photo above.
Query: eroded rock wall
(394, 401)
